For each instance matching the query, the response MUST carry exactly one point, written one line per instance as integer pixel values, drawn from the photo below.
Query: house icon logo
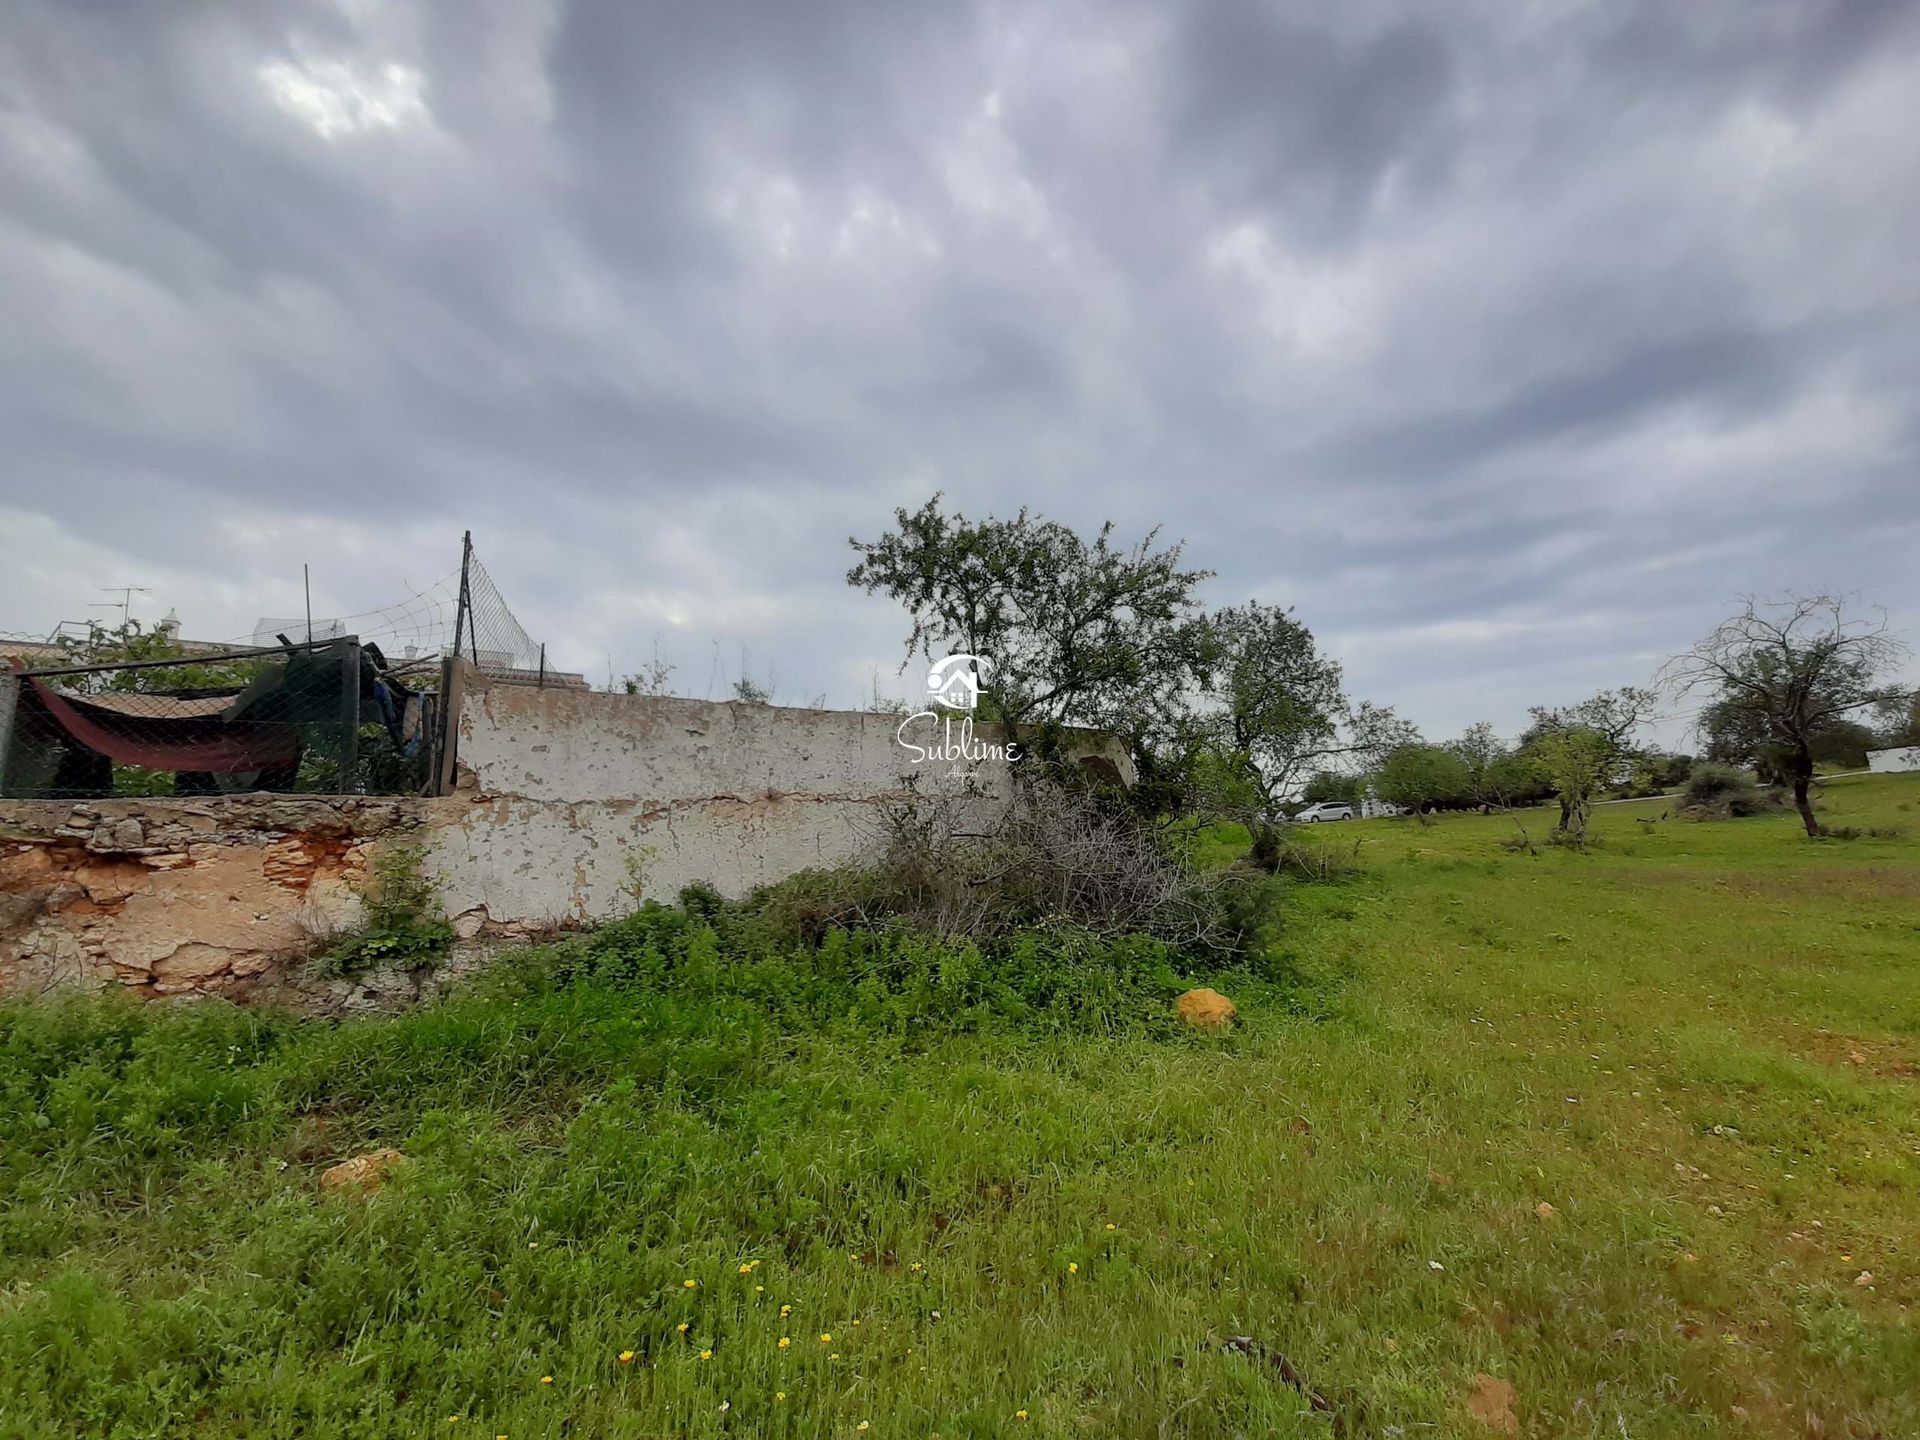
(954, 683)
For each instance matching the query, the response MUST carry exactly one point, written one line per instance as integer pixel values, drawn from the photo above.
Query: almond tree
(1790, 669)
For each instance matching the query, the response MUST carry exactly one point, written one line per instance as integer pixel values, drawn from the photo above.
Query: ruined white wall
(568, 792)
(564, 801)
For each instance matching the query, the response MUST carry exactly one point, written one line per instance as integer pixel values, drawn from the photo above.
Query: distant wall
(564, 806)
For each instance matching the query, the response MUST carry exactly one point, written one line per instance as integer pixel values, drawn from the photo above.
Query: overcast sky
(1505, 343)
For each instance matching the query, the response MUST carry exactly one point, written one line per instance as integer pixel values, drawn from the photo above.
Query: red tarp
(165, 742)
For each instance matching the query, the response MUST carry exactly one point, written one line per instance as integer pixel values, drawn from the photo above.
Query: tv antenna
(124, 603)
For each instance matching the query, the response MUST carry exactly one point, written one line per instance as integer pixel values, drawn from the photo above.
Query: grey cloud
(1506, 348)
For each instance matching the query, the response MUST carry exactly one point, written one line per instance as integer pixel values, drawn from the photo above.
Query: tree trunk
(1802, 777)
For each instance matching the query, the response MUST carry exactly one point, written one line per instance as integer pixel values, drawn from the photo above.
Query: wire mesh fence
(487, 633)
(344, 704)
(330, 717)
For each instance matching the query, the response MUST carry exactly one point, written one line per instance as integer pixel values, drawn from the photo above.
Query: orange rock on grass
(1206, 1009)
(363, 1173)
(1490, 1401)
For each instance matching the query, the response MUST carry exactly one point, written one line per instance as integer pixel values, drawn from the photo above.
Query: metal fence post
(460, 616)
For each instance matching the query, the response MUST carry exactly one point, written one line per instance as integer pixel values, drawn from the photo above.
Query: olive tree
(1580, 748)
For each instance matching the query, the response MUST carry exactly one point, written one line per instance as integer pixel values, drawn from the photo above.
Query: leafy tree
(1078, 632)
(1899, 721)
(1422, 776)
(1790, 671)
(1582, 748)
(1516, 777)
(1331, 786)
(1480, 751)
(1272, 701)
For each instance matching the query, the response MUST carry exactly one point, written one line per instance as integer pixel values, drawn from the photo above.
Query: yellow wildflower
(784, 1342)
(785, 1310)
(626, 1357)
(1073, 1267)
(779, 1394)
(862, 1426)
(706, 1354)
(826, 1337)
(745, 1269)
(1112, 1226)
(1019, 1414)
(690, 1284)
(681, 1327)
(546, 1379)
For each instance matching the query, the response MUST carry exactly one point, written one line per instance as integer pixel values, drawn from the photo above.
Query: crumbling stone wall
(218, 896)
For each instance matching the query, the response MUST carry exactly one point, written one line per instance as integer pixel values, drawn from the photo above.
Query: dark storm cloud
(1504, 342)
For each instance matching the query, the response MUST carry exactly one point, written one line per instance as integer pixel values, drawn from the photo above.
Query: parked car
(1325, 810)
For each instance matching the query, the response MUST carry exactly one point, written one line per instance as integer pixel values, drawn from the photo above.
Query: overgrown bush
(401, 921)
(1715, 791)
(960, 867)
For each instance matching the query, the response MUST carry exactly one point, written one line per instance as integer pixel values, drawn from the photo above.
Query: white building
(1907, 757)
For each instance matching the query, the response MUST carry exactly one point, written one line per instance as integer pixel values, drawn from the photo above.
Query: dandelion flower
(745, 1269)
(1073, 1267)
(690, 1284)
(1019, 1414)
(863, 1426)
(856, 1323)
(759, 1289)
(706, 1354)
(834, 1356)
(785, 1310)
(826, 1337)
(915, 1267)
(779, 1394)
(1112, 1226)
(785, 1342)
(626, 1357)
(546, 1379)
(681, 1327)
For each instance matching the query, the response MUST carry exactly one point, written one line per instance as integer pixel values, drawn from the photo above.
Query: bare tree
(1792, 667)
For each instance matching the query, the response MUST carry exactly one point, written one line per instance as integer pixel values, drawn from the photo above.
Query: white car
(1325, 810)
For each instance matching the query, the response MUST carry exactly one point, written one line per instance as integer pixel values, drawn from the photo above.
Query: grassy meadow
(1634, 1132)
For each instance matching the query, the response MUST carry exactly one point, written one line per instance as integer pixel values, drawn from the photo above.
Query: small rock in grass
(1206, 1009)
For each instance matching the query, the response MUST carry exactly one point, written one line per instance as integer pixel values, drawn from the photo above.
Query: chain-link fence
(328, 717)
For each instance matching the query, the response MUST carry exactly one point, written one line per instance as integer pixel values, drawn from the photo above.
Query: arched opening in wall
(1101, 770)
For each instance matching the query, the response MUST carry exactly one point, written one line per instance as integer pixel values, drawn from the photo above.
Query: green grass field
(1698, 1044)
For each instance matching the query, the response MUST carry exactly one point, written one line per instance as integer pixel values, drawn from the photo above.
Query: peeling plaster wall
(567, 790)
(175, 897)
